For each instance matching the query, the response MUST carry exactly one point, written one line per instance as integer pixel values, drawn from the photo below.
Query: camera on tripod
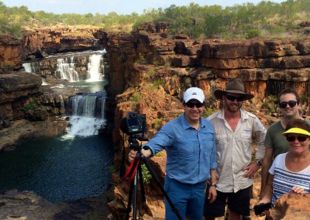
(134, 125)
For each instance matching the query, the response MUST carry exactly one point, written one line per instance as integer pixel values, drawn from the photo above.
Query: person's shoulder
(176, 120)
(206, 121)
(212, 116)
(280, 157)
(249, 114)
(274, 125)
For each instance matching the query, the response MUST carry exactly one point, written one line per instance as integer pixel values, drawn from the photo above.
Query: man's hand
(212, 193)
(146, 152)
(250, 170)
(132, 155)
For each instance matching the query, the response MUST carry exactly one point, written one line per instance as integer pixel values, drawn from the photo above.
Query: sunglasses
(291, 103)
(291, 138)
(233, 98)
(193, 104)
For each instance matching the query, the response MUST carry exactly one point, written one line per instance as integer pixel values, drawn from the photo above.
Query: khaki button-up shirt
(235, 149)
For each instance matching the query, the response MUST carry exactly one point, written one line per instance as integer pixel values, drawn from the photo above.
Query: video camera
(260, 208)
(134, 125)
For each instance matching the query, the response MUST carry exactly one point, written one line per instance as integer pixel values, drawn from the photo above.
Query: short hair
(289, 91)
(298, 123)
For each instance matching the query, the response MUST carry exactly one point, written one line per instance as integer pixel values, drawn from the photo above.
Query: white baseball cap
(194, 93)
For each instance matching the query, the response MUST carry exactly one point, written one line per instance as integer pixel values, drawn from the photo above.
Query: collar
(186, 124)
(243, 115)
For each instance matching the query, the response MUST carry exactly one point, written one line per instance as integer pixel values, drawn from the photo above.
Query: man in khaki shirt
(236, 130)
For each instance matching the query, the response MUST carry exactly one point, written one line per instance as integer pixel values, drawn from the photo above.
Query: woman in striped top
(290, 172)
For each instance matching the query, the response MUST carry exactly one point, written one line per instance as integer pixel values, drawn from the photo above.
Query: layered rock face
(41, 42)
(10, 53)
(22, 96)
(15, 89)
(151, 71)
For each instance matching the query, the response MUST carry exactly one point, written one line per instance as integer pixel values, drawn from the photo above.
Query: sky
(118, 6)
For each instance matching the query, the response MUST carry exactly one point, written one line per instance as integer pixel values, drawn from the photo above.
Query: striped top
(284, 179)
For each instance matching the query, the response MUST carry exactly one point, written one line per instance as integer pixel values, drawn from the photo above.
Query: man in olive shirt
(275, 141)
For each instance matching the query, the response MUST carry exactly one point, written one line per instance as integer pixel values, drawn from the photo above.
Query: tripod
(135, 173)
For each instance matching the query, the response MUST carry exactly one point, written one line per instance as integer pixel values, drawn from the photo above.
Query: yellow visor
(297, 131)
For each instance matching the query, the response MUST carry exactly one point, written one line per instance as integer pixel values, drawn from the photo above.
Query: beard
(233, 107)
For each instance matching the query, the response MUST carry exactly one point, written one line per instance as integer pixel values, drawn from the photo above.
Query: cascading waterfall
(80, 69)
(33, 68)
(95, 70)
(27, 67)
(87, 114)
(74, 67)
(67, 168)
(66, 69)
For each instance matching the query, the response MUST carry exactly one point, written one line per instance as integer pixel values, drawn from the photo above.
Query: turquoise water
(59, 169)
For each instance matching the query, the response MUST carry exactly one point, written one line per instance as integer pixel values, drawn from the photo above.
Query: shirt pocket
(185, 146)
(207, 138)
(245, 136)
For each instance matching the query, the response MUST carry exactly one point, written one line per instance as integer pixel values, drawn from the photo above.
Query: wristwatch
(213, 185)
(259, 163)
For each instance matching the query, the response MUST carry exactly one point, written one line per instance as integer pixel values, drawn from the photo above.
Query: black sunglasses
(233, 98)
(291, 103)
(193, 104)
(291, 138)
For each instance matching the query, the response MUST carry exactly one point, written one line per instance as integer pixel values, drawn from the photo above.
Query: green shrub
(30, 106)
(270, 103)
(136, 97)
(157, 123)
(146, 174)
(208, 111)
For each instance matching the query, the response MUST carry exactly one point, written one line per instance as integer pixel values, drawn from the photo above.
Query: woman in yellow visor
(290, 172)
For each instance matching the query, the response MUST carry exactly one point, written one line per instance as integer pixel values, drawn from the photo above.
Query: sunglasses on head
(291, 103)
(233, 98)
(300, 138)
(191, 104)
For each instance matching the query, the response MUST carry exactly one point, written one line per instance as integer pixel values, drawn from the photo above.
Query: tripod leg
(135, 191)
(148, 166)
(129, 200)
(132, 199)
(143, 199)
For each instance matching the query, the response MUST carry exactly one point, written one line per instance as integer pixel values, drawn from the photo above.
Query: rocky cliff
(10, 53)
(22, 96)
(148, 72)
(151, 70)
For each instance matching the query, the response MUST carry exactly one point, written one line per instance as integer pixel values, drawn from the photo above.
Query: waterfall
(33, 68)
(87, 114)
(27, 67)
(94, 68)
(86, 66)
(86, 72)
(66, 69)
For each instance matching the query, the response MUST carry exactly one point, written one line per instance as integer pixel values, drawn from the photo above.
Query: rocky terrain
(148, 72)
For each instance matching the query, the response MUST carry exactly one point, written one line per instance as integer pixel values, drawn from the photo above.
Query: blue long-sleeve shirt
(191, 153)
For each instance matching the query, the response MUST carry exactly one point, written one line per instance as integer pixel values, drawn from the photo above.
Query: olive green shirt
(275, 139)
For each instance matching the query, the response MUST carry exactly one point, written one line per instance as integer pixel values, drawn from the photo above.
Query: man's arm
(267, 160)
(258, 136)
(214, 176)
(212, 189)
(267, 193)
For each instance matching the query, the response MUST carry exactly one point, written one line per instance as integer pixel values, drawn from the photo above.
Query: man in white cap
(236, 130)
(191, 158)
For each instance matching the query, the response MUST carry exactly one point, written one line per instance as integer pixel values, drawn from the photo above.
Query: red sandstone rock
(10, 53)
